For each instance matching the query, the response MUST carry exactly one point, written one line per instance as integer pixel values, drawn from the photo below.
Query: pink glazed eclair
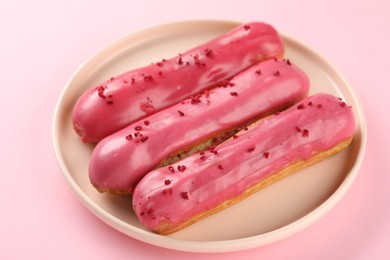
(133, 95)
(274, 147)
(120, 160)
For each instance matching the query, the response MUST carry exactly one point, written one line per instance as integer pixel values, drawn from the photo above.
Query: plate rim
(228, 245)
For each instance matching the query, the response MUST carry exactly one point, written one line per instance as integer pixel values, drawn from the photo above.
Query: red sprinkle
(277, 73)
(209, 52)
(225, 84)
(198, 62)
(305, 133)
(235, 136)
(138, 128)
(181, 168)
(167, 182)
(171, 169)
(247, 27)
(266, 155)
(251, 149)
(342, 104)
(100, 91)
(195, 99)
(202, 157)
(129, 137)
(167, 191)
(147, 122)
(310, 103)
(110, 102)
(180, 113)
(220, 166)
(288, 62)
(212, 150)
(301, 106)
(258, 72)
(234, 93)
(319, 106)
(148, 78)
(144, 138)
(184, 195)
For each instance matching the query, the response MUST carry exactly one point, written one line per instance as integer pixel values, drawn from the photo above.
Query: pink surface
(252, 101)
(43, 43)
(209, 179)
(148, 89)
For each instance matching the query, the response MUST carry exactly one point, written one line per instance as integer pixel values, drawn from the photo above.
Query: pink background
(43, 43)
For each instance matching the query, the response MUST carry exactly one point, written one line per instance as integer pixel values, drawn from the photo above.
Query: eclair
(175, 196)
(198, 123)
(126, 98)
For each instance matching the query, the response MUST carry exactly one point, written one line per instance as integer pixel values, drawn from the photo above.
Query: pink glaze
(126, 98)
(120, 160)
(315, 124)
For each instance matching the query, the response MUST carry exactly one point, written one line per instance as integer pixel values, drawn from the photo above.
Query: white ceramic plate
(271, 214)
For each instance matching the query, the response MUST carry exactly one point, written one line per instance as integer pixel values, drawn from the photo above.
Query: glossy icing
(314, 125)
(126, 98)
(120, 160)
